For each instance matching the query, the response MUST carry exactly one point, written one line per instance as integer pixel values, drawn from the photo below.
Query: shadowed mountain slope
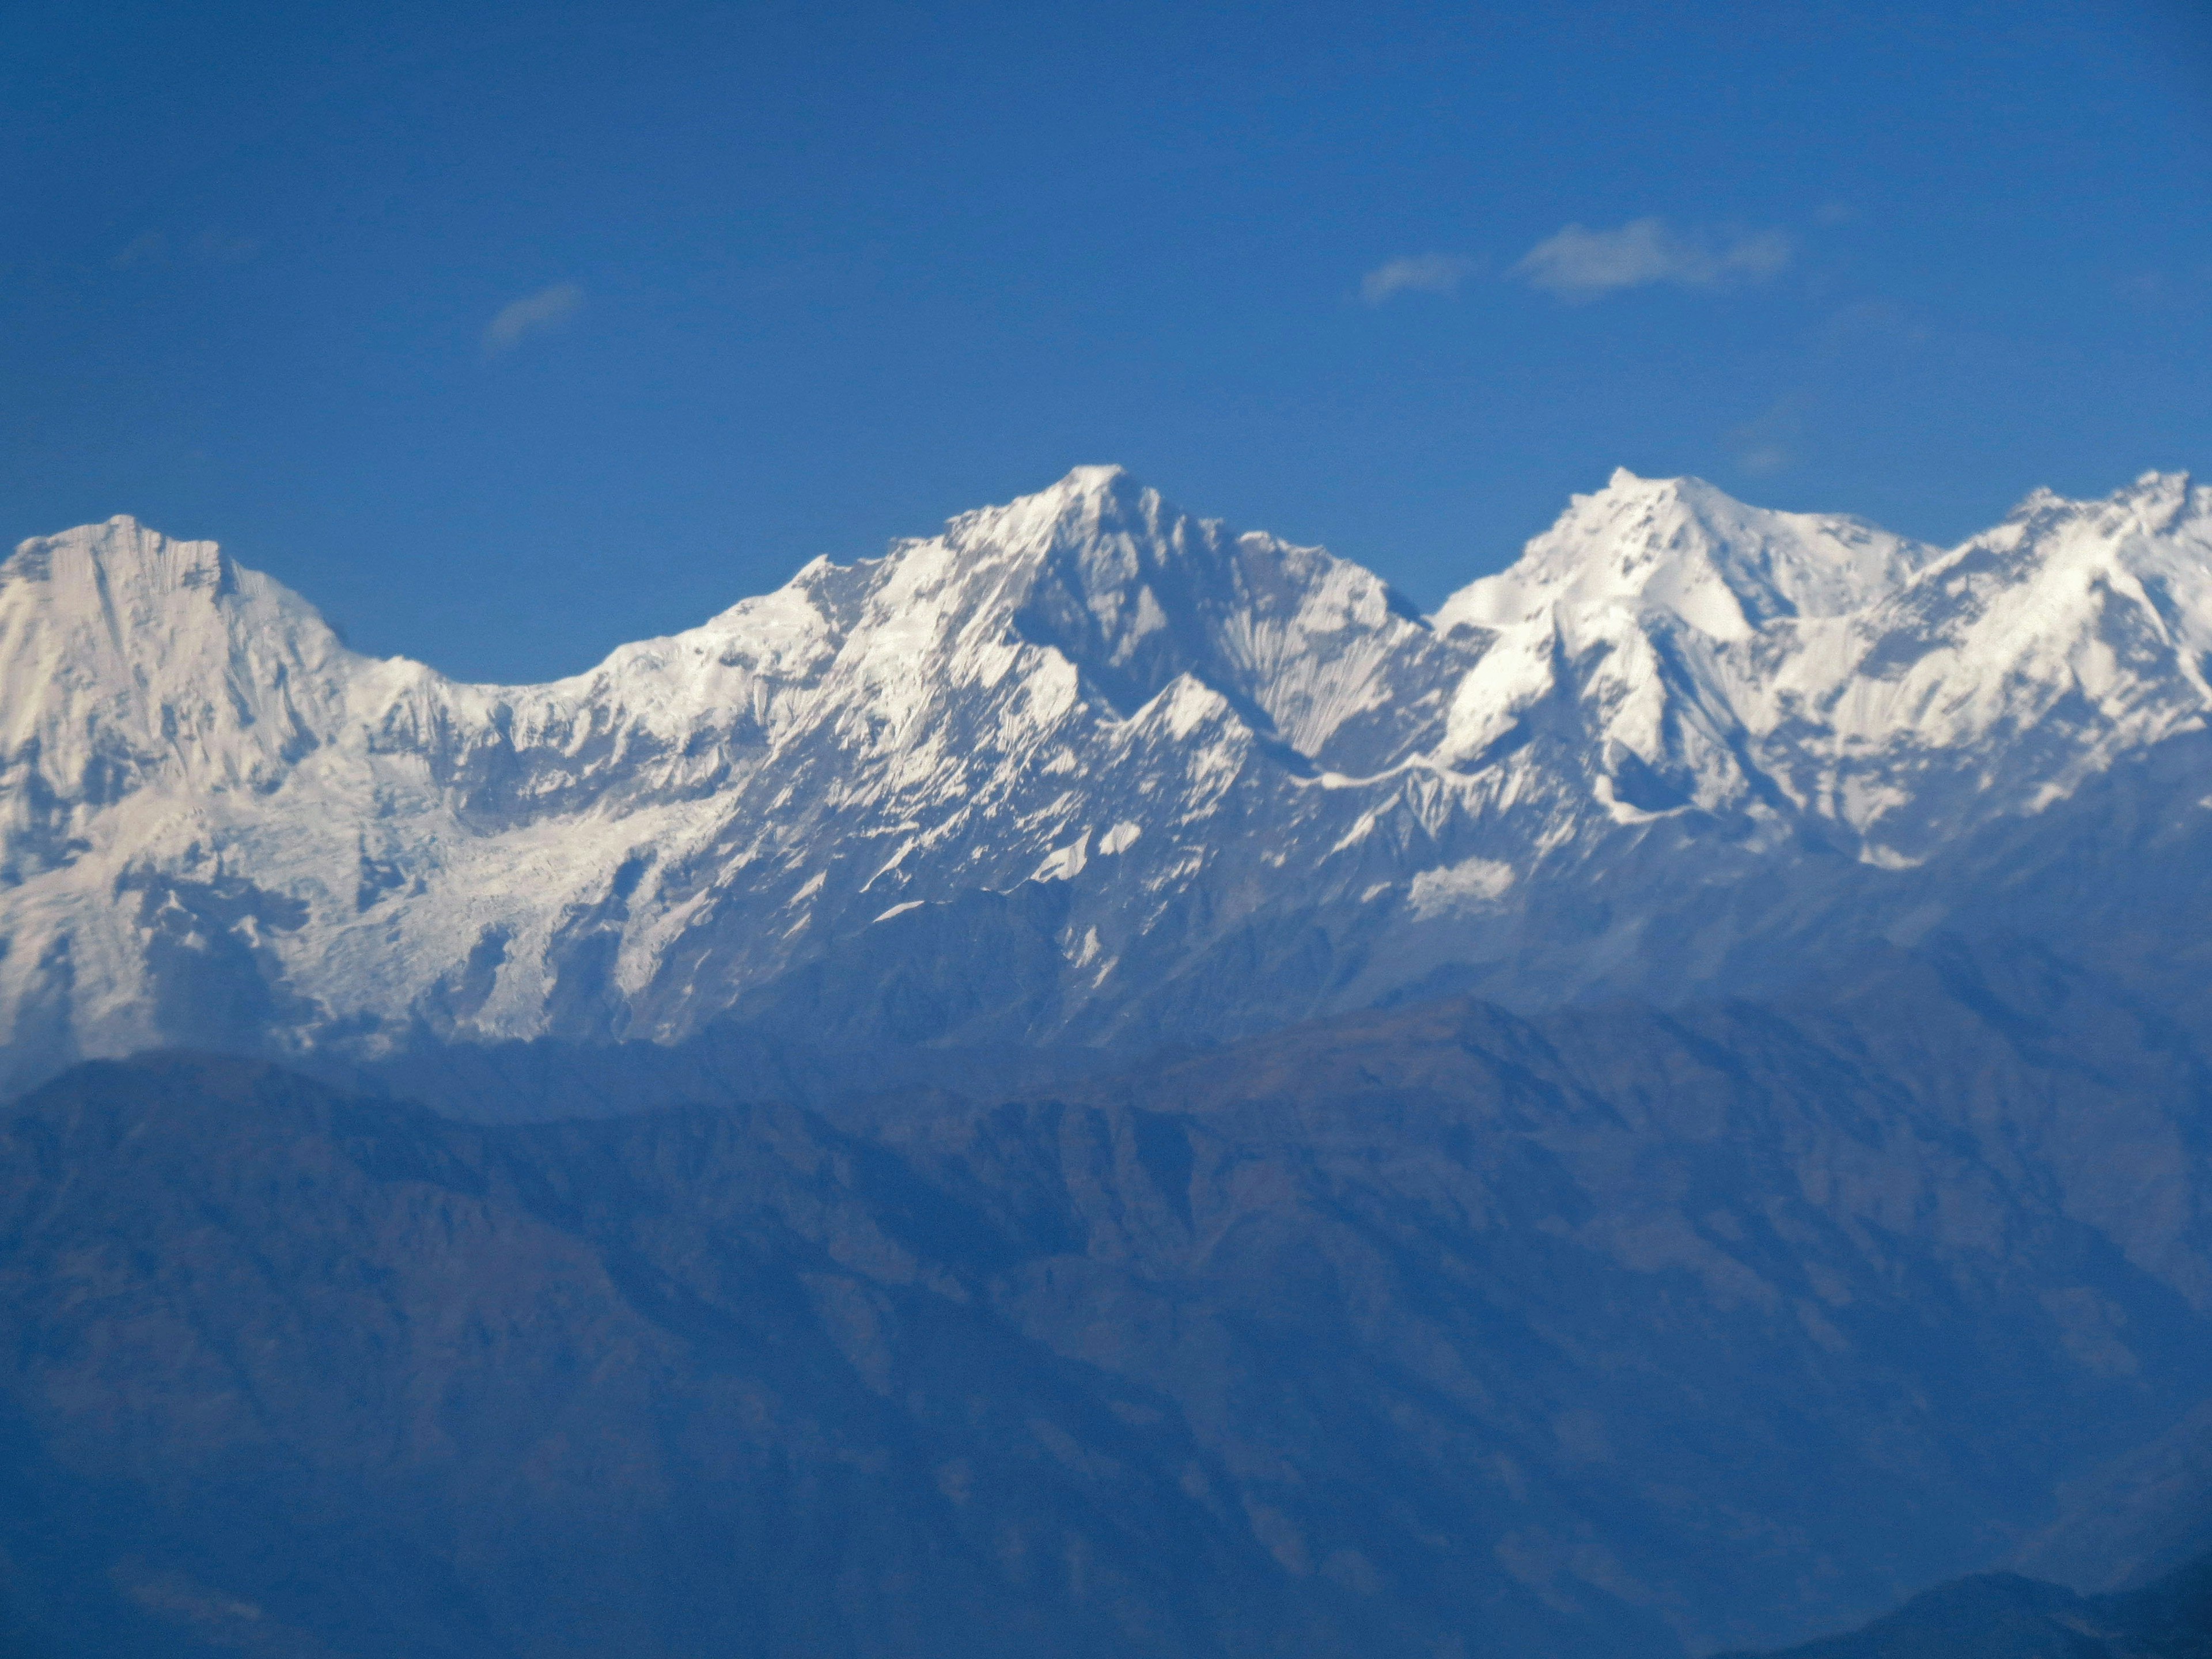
(1445, 1330)
(2004, 1616)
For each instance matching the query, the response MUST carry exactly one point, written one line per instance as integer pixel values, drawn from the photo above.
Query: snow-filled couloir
(1080, 767)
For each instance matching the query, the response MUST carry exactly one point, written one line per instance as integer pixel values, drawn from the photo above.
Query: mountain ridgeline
(1100, 1085)
(1085, 774)
(2006, 1616)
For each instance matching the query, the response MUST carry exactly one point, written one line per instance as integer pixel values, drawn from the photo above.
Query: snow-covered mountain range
(1080, 769)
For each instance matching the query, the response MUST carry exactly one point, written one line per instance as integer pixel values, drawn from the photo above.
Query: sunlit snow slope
(1080, 768)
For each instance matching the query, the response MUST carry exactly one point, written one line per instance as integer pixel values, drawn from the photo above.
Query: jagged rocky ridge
(1080, 770)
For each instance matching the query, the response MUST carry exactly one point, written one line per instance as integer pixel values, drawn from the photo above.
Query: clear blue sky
(509, 332)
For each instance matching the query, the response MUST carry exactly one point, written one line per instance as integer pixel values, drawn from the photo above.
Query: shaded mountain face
(2004, 1616)
(2144, 1514)
(1086, 771)
(1440, 1330)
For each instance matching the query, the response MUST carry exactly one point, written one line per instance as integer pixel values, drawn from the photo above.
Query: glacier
(1080, 770)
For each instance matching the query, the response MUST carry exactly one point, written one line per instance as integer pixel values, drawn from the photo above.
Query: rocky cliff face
(1080, 770)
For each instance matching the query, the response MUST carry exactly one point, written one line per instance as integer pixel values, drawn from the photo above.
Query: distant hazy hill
(1607, 1334)
(2004, 1616)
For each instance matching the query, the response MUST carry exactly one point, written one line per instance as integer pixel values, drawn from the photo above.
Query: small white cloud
(547, 308)
(1581, 263)
(1418, 273)
(1835, 213)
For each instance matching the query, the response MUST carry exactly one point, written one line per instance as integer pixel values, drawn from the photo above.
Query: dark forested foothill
(1434, 1330)
(2005, 1616)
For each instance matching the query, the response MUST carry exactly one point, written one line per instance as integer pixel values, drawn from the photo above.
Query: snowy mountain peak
(1096, 483)
(139, 589)
(1680, 547)
(118, 563)
(1098, 761)
(116, 604)
(125, 656)
(1091, 502)
(2165, 503)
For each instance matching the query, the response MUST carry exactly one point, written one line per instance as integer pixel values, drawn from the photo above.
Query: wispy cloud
(1418, 273)
(1581, 263)
(547, 308)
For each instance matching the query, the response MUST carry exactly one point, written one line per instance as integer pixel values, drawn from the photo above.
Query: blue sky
(508, 335)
